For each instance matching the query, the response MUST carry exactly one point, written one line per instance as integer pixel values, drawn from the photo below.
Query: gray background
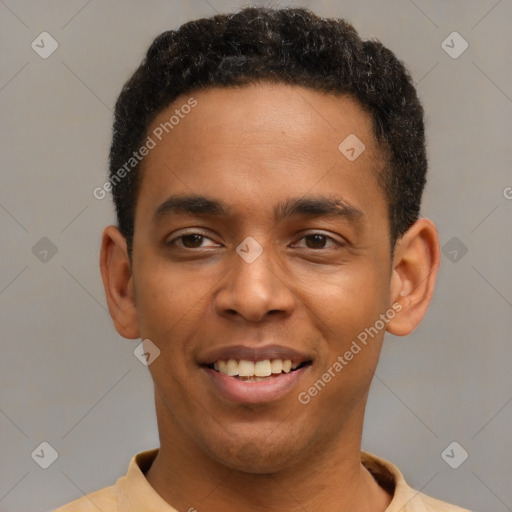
(67, 378)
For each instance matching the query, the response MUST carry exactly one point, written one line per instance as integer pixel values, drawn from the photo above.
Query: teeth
(222, 366)
(263, 368)
(277, 366)
(231, 367)
(244, 368)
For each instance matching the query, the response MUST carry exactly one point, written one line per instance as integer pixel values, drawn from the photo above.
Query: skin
(252, 148)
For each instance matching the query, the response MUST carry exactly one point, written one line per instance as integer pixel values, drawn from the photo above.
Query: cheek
(345, 306)
(169, 304)
(169, 310)
(344, 302)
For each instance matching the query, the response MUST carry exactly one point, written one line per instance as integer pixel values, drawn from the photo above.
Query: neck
(328, 477)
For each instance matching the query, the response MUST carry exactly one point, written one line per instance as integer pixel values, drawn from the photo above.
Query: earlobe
(415, 266)
(117, 280)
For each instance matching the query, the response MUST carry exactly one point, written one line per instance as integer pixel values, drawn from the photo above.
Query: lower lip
(257, 392)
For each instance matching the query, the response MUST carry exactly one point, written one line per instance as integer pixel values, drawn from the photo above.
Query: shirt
(132, 492)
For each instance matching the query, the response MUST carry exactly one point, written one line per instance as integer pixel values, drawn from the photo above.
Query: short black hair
(290, 46)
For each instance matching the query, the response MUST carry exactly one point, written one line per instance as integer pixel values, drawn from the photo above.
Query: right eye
(191, 240)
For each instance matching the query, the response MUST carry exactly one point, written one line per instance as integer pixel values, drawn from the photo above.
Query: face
(258, 243)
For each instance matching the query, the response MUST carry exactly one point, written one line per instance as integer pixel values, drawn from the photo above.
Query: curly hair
(290, 46)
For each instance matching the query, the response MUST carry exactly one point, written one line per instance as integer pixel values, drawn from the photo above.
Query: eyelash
(171, 242)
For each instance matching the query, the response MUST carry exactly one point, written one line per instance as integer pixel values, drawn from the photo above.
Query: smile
(255, 371)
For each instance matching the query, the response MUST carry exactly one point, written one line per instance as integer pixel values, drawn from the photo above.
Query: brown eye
(192, 241)
(316, 241)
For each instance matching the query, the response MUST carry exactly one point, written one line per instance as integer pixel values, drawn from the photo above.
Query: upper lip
(249, 353)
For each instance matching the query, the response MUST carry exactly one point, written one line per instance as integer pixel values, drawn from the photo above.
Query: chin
(257, 456)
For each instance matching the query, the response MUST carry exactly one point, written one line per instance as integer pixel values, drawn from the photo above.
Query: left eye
(318, 241)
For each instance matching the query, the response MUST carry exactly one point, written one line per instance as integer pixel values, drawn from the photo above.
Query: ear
(118, 282)
(415, 265)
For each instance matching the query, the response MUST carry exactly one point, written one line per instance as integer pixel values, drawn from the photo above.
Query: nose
(254, 290)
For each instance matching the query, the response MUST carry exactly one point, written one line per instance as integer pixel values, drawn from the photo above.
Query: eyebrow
(311, 207)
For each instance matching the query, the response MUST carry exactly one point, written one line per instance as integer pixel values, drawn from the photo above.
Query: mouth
(256, 371)
(252, 375)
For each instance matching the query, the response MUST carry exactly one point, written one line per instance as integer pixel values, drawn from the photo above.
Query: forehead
(261, 109)
(246, 144)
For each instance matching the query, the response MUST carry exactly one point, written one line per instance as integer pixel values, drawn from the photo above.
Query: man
(267, 169)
